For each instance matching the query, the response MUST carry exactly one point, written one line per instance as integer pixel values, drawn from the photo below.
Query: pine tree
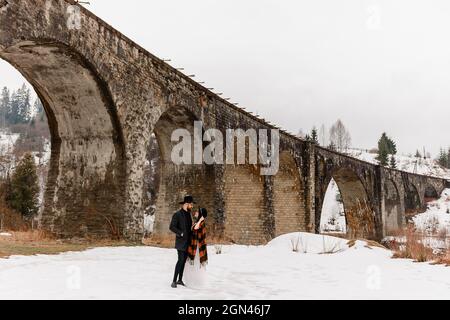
(383, 150)
(314, 136)
(332, 146)
(448, 159)
(393, 162)
(387, 145)
(383, 157)
(418, 155)
(392, 147)
(38, 107)
(5, 104)
(23, 196)
(20, 106)
(12, 114)
(443, 158)
(24, 107)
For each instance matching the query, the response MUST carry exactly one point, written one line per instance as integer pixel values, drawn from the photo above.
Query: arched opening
(359, 215)
(152, 180)
(86, 181)
(245, 205)
(430, 194)
(413, 205)
(288, 195)
(178, 180)
(23, 130)
(332, 219)
(392, 207)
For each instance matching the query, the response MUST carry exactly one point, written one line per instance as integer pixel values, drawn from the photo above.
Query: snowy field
(266, 272)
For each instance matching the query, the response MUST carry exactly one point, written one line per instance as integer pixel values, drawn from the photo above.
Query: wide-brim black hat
(188, 199)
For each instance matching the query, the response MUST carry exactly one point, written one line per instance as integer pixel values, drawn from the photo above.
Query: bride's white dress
(195, 275)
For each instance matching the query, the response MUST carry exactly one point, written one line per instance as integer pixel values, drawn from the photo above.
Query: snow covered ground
(437, 216)
(265, 272)
(406, 163)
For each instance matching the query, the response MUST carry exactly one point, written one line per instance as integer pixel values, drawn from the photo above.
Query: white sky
(378, 65)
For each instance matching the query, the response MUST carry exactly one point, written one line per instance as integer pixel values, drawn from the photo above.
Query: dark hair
(202, 213)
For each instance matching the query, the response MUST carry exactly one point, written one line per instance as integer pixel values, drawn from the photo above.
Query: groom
(181, 225)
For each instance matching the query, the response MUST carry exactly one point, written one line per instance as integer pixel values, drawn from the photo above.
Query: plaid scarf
(198, 239)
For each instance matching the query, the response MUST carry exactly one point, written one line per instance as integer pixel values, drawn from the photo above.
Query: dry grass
(10, 219)
(160, 241)
(369, 243)
(411, 247)
(445, 259)
(38, 242)
(168, 241)
(351, 243)
(374, 244)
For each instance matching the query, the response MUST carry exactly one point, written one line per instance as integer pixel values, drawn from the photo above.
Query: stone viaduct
(105, 96)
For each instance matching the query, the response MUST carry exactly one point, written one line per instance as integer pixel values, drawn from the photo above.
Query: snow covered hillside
(437, 217)
(406, 163)
(265, 272)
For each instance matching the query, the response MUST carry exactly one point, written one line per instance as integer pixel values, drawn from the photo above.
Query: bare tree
(340, 137)
(323, 136)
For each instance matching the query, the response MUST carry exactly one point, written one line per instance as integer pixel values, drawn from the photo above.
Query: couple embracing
(190, 230)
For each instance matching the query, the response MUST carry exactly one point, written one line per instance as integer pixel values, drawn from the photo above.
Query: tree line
(19, 188)
(338, 138)
(16, 107)
(444, 158)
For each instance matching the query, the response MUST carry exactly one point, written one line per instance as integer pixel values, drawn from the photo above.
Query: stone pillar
(269, 216)
(310, 189)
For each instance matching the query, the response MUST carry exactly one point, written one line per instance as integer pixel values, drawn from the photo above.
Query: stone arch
(176, 181)
(359, 213)
(86, 183)
(288, 195)
(245, 205)
(430, 193)
(413, 204)
(392, 206)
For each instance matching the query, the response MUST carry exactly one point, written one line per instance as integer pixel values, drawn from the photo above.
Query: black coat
(181, 224)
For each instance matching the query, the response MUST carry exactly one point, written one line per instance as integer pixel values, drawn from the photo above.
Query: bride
(195, 270)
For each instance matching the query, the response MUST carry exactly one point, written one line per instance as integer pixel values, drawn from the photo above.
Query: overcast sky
(377, 65)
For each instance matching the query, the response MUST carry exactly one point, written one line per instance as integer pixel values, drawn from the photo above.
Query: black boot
(174, 285)
(181, 283)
